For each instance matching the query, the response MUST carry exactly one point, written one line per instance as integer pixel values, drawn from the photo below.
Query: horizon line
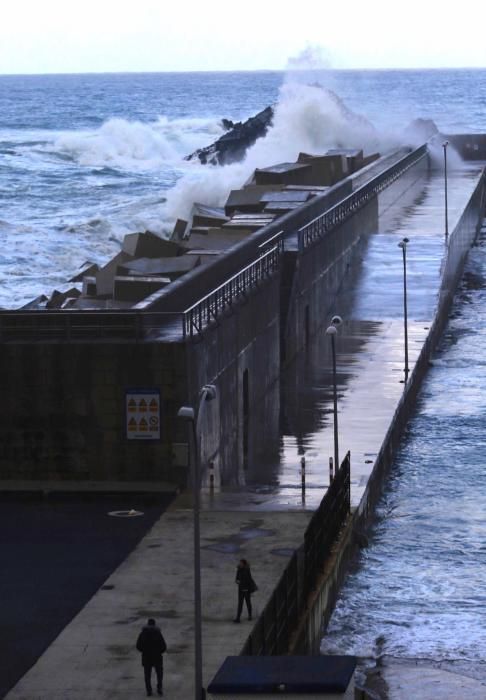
(245, 70)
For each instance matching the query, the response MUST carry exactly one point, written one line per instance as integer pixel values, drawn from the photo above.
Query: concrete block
(248, 199)
(89, 286)
(148, 245)
(89, 271)
(135, 289)
(284, 174)
(370, 159)
(354, 157)
(37, 303)
(172, 267)
(106, 274)
(216, 240)
(203, 215)
(58, 298)
(326, 169)
(179, 230)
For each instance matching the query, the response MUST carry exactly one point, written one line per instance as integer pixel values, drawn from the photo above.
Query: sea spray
(307, 118)
(133, 145)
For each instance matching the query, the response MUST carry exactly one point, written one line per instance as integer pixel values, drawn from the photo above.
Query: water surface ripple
(418, 589)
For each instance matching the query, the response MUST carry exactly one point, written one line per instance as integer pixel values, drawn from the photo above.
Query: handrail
(210, 307)
(280, 617)
(336, 215)
(277, 238)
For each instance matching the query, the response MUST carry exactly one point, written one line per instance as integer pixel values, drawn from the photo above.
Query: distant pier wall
(320, 604)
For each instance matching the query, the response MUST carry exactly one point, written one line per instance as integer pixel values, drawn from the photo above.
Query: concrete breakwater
(320, 603)
(267, 526)
(230, 321)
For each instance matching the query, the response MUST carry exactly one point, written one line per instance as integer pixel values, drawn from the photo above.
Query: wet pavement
(94, 656)
(56, 553)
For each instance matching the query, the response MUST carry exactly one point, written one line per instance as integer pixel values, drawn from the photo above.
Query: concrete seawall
(96, 649)
(306, 639)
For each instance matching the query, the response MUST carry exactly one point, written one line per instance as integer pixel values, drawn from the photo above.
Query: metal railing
(280, 617)
(336, 215)
(210, 308)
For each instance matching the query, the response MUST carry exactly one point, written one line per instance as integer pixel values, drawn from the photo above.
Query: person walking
(246, 586)
(152, 645)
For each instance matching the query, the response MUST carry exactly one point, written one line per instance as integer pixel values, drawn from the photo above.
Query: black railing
(335, 216)
(280, 617)
(208, 309)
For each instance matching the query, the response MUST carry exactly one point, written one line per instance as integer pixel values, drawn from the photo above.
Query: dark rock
(232, 146)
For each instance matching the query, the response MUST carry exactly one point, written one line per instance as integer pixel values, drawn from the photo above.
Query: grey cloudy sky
(49, 36)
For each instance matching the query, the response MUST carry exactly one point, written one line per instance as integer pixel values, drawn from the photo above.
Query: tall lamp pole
(403, 246)
(332, 332)
(444, 146)
(208, 392)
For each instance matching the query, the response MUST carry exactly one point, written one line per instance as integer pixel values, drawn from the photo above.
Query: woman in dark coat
(246, 586)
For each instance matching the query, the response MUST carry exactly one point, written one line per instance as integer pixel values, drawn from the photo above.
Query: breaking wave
(307, 118)
(133, 145)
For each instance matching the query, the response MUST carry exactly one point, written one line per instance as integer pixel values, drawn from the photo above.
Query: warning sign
(143, 414)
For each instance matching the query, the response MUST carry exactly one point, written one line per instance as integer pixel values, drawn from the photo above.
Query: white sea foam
(306, 118)
(133, 145)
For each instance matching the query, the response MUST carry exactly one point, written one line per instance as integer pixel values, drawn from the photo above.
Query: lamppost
(403, 246)
(444, 146)
(332, 332)
(208, 392)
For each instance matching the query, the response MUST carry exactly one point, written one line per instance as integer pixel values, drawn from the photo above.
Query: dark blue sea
(85, 159)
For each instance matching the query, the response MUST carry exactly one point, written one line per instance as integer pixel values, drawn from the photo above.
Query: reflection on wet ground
(370, 354)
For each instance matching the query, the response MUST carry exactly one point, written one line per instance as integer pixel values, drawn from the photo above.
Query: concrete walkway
(94, 657)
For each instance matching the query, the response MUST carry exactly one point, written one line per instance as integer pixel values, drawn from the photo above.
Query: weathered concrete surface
(95, 656)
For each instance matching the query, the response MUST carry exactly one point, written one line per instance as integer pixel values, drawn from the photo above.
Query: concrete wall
(247, 339)
(319, 272)
(63, 411)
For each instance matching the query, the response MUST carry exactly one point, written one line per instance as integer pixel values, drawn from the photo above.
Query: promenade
(95, 656)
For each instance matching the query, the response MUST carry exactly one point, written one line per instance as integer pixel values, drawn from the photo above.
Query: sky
(62, 36)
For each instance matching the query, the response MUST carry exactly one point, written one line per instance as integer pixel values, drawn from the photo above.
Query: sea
(86, 159)
(417, 590)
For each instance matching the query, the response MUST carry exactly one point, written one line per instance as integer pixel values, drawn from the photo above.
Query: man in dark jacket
(152, 645)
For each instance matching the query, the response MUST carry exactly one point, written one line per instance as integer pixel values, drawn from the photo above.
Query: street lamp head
(403, 243)
(186, 413)
(445, 144)
(336, 320)
(331, 330)
(209, 392)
